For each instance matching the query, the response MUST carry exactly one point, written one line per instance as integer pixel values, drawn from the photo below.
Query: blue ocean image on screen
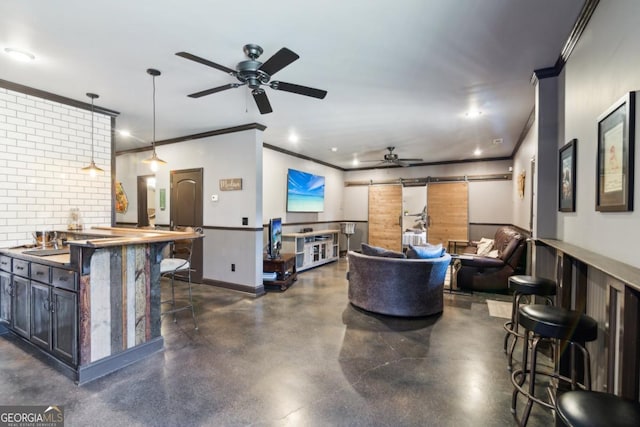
(305, 192)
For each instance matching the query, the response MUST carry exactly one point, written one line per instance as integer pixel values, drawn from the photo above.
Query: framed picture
(616, 130)
(567, 177)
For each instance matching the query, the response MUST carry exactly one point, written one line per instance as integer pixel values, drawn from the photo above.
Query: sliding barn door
(448, 212)
(385, 216)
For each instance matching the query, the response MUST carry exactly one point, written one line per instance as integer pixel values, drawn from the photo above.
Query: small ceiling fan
(255, 74)
(391, 159)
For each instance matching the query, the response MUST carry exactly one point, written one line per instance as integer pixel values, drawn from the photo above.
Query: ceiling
(398, 74)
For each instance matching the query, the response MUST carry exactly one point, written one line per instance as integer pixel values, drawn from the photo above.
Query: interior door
(186, 210)
(447, 212)
(385, 216)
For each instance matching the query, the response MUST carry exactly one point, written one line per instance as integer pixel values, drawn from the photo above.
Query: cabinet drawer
(5, 263)
(40, 273)
(21, 268)
(64, 279)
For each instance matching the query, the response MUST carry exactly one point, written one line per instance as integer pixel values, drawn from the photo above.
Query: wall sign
(231, 184)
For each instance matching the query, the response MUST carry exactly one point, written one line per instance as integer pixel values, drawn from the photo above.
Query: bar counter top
(101, 237)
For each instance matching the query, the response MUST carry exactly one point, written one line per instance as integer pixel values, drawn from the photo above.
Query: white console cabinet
(313, 248)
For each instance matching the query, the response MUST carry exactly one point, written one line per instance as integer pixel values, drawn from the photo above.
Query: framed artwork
(567, 177)
(616, 130)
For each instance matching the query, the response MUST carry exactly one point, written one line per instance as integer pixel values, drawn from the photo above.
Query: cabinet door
(21, 308)
(5, 297)
(65, 325)
(41, 315)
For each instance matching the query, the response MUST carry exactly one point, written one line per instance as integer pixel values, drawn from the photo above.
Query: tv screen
(275, 237)
(305, 192)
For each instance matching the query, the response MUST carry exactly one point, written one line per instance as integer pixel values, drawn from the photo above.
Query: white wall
(234, 155)
(522, 162)
(489, 201)
(43, 146)
(275, 169)
(603, 67)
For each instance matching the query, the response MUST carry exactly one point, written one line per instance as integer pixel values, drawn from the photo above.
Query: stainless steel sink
(46, 252)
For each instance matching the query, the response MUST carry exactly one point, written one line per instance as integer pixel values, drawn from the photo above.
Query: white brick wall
(43, 146)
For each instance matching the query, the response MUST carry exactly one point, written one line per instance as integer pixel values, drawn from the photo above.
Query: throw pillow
(425, 252)
(484, 246)
(381, 252)
(494, 253)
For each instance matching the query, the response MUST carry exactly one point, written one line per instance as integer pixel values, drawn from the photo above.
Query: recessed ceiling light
(477, 152)
(293, 138)
(19, 55)
(334, 149)
(473, 114)
(355, 162)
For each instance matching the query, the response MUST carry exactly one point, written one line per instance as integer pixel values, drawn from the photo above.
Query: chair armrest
(482, 262)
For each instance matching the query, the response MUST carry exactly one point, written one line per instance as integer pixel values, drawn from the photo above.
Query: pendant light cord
(154, 114)
(92, 130)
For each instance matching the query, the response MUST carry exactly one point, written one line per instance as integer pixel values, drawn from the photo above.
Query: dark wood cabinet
(40, 303)
(5, 297)
(21, 306)
(64, 342)
(41, 315)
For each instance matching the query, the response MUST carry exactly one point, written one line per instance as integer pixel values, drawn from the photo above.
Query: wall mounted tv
(305, 192)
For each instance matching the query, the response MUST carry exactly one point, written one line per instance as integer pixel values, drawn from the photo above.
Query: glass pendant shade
(92, 169)
(154, 161)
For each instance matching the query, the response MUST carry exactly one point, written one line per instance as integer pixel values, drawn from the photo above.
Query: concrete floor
(303, 357)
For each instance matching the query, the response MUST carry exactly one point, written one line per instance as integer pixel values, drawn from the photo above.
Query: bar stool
(548, 323)
(592, 408)
(524, 287)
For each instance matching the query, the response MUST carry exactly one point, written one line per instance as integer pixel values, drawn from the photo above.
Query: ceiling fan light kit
(392, 159)
(255, 74)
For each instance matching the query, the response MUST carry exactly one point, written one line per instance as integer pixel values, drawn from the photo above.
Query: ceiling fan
(255, 74)
(391, 159)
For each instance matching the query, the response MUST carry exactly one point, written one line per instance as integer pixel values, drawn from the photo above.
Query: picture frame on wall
(567, 177)
(616, 140)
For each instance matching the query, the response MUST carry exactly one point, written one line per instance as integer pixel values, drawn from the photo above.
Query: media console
(313, 248)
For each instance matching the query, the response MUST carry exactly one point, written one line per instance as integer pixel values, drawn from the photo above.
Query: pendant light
(92, 169)
(154, 161)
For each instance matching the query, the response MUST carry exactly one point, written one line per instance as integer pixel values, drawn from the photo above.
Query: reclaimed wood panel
(116, 290)
(131, 295)
(100, 304)
(84, 321)
(385, 216)
(141, 276)
(448, 212)
(155, 292)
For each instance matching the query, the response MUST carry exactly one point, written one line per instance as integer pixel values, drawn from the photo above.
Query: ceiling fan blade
(278, 61)
(262, 101)
(410, 160)
(300, 90)
(214, 90)
(195, 58)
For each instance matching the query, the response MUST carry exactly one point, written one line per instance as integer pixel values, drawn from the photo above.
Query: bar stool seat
(524, 287)
(555, 324)
(591, 408)
(559, 323)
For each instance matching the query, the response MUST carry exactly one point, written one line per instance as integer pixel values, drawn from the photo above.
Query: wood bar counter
(609, 291)
(94, 309)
